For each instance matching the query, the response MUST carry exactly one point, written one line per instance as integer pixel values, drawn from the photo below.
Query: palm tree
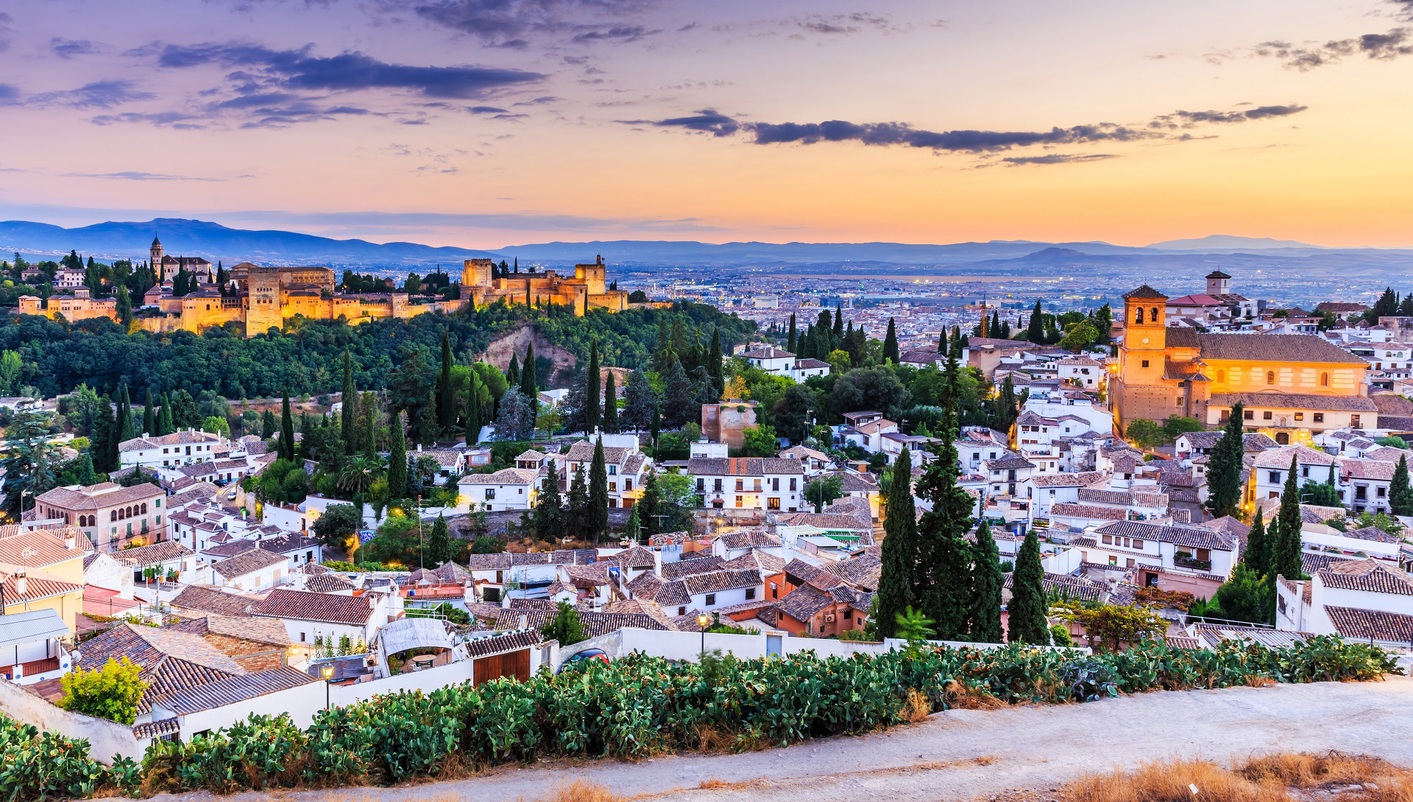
(358, 475)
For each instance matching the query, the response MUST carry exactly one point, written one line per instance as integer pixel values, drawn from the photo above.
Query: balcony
(1190, 562)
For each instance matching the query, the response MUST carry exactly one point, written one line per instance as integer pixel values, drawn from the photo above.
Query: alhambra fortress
(261, 298)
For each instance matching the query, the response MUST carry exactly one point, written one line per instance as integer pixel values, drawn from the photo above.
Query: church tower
(156, 252)
(1139, 390)
(1218, 283)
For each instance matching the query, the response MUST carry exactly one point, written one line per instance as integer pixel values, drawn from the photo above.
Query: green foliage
(1247, 596)
(1145, 433)
(824, 490)
(1320, 494)
(760, 441)
(1060, 635)
(487, 545)
(1224, 468)
(112, 692)
(338, 523)
(1400, 494)
(914, 627)
(1115, 625)
(1027, 622)
(898, 579)
(987, 582)
(1286, 546)
(564, 626)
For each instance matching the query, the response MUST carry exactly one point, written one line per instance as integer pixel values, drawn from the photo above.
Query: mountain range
(114, 240)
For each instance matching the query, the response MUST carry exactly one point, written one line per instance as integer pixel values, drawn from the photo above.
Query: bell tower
(1144, 349)
(156, 253)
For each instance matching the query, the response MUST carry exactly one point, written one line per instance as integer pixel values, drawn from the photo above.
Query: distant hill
(180, 237)
(1217, 243)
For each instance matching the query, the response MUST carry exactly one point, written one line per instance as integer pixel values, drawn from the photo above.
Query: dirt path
(960, 755)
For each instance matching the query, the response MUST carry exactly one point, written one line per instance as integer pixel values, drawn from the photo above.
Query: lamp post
(703, 620)
(327, 672)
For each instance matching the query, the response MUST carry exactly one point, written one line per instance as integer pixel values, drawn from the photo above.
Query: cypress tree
(986, 584)
(593, 415)
(549, 509)
(897, 584)
(792, 342)
(714, 364)
(1258, 547)
(1400, 494)
(397, 458)
(1285, 561)
(473, 411)
(348, 416)
(102, 432)
(512, 372)
(942, 341)
(838, 326)
(125, 414)
(446, 390)
(439, 548)
(1027, 621)
(657, 421)
(286, 430)
(529, 384)
(268, 425)
(149, 415)
(577, 515)
(946, 597)
(610, 405)
(164, 416)
(1224, 469)
(598, 492)
(890, 344)
(1035, 331)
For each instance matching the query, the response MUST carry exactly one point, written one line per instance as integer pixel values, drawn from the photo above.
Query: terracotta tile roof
(1279, 458)
(37, 586)
(103, 495)
(504, 642)
(173, 439)
(141, 556)
(169, 660)
(196, 597)
(504, 476)
(804, 603)
(1196, 537)
(1066, 509)
(810, 575)
(862, 571)
(594, 624)
(1368, 576)
(721, 581)
(743, 466)
(671, 593)
(767, 352)
(1064, 585)
(1295, 400)
(1082, 479)
(1356, 624)
(326, 608)
(245, 627)
(1145, 291)
(762, 562)
(694, 565)
(327, 583)
(1367, 469)
(635, 557)
(40, 548)
(233, 690)
(247, 562)
(751, 538)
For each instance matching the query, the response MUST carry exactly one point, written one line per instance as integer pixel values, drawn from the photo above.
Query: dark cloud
(511, 23)
(1056, 158)
(68, 48)
(96, 95)
(616, 33)
(842, 24)
(9, 94)
(297, 69)
(1379, 46)
(1404, 9)
(711, 121)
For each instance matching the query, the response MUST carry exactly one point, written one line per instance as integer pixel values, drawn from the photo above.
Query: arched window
(112, 515)
(144, 509)
(1270, 377)
(1154, 313)
(1138, 317)
(1325, 379)
(1221, 375)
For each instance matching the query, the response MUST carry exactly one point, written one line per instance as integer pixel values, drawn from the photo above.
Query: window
(1138, 317)
(717, 488)
(1221, 375)
(775, 484)
(1267, 415)
(1153, 313)
(1138, 544)
(1354, 421)
(1324, 379)
(710, 599)
(613, 470)
(1249, 414)
(1319, 417)
(1145, 363)
(750, 593)
(740, 485)
(1274, 477)
(792, 483)
(1381, 491)
(1305, 472)
(701, 485)
(490, 493)
(1300, 416)
(1270, 377)
(1108, 540)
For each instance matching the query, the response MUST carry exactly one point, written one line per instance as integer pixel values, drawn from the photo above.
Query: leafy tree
(633, 528)
(760, 441)
(439, 547)
(987, 582)
(216, 425)
(639, 400)
(1224, 467)
(338, 527)
(876, 387)
(1176, 426)
(549, 509)
(914, 627)
(1113, 625)
(1244, 597)
(487, 545)
(124, 307)
(1027, 622)
(790, 414)
(397, 458)
(597, 518)
(679, 397)
(564, 626)
(1285, 555)
(1321, 494)
(890, 344)
(824, 490)
(898, 582)
(1400, 494)
(31, 462)
(610, 405)
(112, 692)
(1145, 433)
(1079, 337)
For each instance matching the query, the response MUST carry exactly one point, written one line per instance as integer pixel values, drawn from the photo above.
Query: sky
(485, 123)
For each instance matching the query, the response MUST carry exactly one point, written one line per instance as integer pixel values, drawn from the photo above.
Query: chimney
(70, 540)
(524, 620)
(22, 583)
(145, 435)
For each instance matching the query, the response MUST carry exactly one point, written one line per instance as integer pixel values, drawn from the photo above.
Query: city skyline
(483, 123)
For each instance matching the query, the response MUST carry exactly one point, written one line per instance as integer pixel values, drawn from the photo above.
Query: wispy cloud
(96, 95)
(1379, 46)
(68, 48)
(512, 23)
(1056, 158)
(138, 175)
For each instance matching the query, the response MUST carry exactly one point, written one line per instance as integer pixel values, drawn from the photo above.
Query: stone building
(588, 289)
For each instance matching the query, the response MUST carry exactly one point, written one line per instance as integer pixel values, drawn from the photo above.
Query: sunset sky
(483, 123)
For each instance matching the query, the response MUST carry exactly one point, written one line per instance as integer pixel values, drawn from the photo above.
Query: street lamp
(703, 620)
(327, 672)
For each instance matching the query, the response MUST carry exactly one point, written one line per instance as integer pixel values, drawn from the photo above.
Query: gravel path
(964, 754)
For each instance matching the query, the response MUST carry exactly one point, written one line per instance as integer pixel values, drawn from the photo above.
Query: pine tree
(149, 415)
(577, 518)
(986, 584)
(286, 430)
(438, 548)
(1224, 468)
(792, 342)
(1035, 330)
(446, 389)
(714, 365)
(1027, 620)
(890, 344)
(898, 582)
(549, 509)
(1400, 494)
(610, 405)
(348, 416)
(1258, 547)
(593, 415)
(397, 457)
(838, 330)
(1285, 561)
(598, 493)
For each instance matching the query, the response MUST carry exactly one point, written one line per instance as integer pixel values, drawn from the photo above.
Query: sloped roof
(197, 597)
(233, 690)
(323, 607)
(1274, 348)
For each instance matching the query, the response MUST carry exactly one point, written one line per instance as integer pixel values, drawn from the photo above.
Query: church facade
(1291, 385)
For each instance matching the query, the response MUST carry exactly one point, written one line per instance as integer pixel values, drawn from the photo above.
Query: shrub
(110, 692)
